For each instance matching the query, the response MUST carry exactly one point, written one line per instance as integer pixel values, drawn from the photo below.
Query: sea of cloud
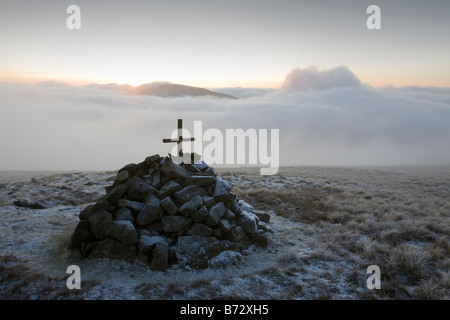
(324, 117)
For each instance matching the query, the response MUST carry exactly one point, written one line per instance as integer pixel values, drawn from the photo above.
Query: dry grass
(19, 282)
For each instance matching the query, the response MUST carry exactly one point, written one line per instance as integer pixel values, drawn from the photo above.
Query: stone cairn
(168, 214)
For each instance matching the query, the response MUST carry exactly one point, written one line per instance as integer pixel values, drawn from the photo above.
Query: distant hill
(172, 90)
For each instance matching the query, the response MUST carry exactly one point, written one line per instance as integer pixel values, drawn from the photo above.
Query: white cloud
(312, 78)
(57, 127)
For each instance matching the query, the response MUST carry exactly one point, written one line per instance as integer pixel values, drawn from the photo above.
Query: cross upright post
(180, 140)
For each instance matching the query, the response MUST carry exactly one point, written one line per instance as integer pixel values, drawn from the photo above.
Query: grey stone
(248, 222)
(134, 206)
(99, 223)
(245, 206)
(225, 259)
(173, 171)
(191, 206)
(156, 183)
(187, 193)
(218, 246)
(123, 231)
(138, 189)
(132, 169)
(202, 166)
(169, 206)
(199, 229)
(125, 214)
(222, 190)
(101, 204)
(113, 249)
(215, 214)
(168, 189)
(200, 180)
(229, 215)
(116, 193)
(235, 208)
(149, 160)
(236, 234)
(200, 214)
(262, 215)
(151, 211)
(85, 213)
(175, 223)
(191, 250)
(160, 259)
(82, 233)
(225, 225)
(148, 243)
(121, 177)
(209, 201)
(216, 232)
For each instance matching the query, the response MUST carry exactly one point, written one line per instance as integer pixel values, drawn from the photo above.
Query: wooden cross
(180, 140)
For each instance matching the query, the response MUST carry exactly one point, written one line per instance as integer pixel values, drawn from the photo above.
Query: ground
(328, 225)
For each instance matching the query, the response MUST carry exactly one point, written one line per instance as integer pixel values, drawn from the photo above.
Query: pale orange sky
(224, 44)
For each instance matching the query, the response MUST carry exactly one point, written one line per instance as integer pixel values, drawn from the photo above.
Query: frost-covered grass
(329, 225)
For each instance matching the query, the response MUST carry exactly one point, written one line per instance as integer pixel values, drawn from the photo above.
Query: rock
(245, 206)
(101, 204)
(248, 222)
(235, 208)
(222, 190)
(225, 259)
(175, 224)
(218, 246)
(28, 204)
(138, 189)
(160, 260)
(191, 206)
(134, 206)
(148, 243)
(116, 193)
(123, 231)
(151, 211)
(82, 233)
(202, 166)
(149, 160)
(225, 225)
(121, 177)
(200, 214)
(199, 229)
(191, 250)
(215, 214)
(229, 215)
(111, 248)
(187, 193)
(200, 180)
(261, 240)
(262, 215)
(125, 214)
(209, 201)
(156, 183)
(169, 206)
(99, 223)
(174, 171)
(236, 234)
(168, 189)
(85, 213)
(132, 169)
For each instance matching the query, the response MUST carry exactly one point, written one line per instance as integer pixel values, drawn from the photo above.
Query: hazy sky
(224, 43)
